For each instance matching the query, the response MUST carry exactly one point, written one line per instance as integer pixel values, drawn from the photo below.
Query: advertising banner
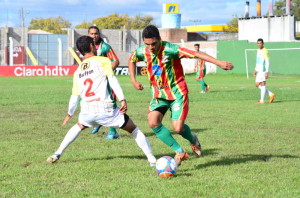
(19, 57)
(20, 71)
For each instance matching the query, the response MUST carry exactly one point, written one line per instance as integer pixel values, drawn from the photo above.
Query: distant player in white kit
(94, 82)
(261, 72)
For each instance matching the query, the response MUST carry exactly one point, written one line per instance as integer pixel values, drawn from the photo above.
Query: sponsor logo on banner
(171, 8)
(19, 71)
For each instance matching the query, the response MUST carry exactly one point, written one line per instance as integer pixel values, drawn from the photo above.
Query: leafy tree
(280, 8)
(53, 24)
(232, 25)
(139, 22)
(116, 21)
(84, 25)
(112, 21)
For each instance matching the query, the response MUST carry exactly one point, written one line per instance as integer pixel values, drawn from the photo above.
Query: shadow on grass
(206, 152)
(173, 133)
(285, 101)
(227, 161)
(143, 157)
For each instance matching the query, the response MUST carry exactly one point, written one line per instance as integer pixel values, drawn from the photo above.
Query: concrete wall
(173, 35)
(271, 29)
(19, 38)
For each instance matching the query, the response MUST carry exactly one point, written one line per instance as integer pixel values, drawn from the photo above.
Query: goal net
(282, 61)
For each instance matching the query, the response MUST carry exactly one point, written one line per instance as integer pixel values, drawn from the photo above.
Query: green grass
(248, 150)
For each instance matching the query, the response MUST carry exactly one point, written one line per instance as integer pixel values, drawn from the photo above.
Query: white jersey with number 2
(95, 83)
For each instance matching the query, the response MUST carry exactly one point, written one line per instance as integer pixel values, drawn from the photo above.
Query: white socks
(264, 90)
(262, 93)
(69, 138)
(143, 143)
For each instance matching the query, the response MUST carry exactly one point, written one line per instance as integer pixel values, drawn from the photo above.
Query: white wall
(271, 29)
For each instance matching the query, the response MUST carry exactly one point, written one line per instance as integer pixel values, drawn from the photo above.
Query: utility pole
(22, 18)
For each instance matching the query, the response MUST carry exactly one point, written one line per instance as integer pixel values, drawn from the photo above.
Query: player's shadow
(285, 101)
(227, 161)
(173, 133)
(205, 152)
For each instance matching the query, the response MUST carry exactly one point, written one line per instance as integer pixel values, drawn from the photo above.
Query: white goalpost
(278, 56)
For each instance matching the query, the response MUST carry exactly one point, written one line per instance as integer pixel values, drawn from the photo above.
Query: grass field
(249, 150)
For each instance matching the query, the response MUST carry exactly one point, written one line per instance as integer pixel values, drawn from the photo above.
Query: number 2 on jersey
(88, 92)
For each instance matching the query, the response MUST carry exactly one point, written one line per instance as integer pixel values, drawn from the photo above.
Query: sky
(193, 12)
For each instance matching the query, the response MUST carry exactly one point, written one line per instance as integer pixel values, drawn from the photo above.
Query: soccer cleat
(272, 97)
(53, 158)
(95, 130)
(259, 102)
(202, 92)
(179, 157)
(111, 136)
(207, 88)
(196, 147)
(151, 159)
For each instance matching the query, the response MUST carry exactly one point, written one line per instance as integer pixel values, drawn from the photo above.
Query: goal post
(282, 61)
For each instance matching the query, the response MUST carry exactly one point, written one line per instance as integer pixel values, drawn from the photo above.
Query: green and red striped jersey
(104, 49)
(165, 71)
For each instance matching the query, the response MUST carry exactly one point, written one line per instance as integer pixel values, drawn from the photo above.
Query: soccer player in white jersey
(94, 82)
(261, 72)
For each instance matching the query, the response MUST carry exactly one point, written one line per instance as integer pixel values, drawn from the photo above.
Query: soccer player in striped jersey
(168, 87)
(104, 49)
(200, 69)
(94, 82)
(261, 72)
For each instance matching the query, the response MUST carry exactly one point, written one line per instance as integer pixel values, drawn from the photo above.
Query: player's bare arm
(222, 64)
(67, 118)
(115, 64)
(132, 68)
(123, 108)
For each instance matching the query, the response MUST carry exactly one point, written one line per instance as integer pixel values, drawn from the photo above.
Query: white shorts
(111, 119)
(260, 77)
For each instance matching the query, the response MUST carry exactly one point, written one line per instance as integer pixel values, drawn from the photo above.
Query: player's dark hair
(83, 44)
(260, 39)
(98, 30)
(151, 31)
(197, 45)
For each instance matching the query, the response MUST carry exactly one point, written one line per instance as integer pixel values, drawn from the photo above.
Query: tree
(280, 8)
(84, 25)
(53, 25)
(232, 25)
(139, 22)
(116, 21)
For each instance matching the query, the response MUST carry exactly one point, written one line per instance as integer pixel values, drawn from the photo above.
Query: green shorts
(179, 108)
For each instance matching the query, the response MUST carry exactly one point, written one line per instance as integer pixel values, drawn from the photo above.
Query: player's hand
(138, 85)
(67, 118)
(267, 75)
(123, 108)
(226, 65)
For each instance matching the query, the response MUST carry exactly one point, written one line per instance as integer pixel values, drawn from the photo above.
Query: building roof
(38, 32)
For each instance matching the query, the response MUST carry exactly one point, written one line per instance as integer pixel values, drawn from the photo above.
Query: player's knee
(153, 124)
(178, 129)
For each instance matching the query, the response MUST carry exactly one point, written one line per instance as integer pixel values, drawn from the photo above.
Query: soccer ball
(166, 166)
